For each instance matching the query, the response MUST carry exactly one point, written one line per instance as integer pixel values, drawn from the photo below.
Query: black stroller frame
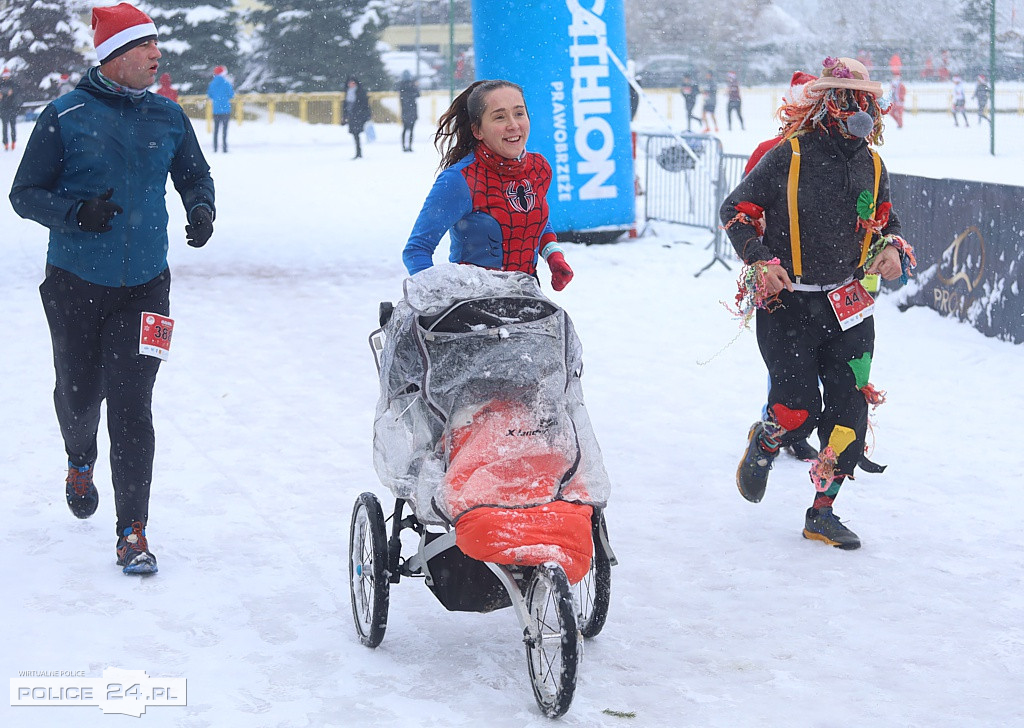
(552, 614)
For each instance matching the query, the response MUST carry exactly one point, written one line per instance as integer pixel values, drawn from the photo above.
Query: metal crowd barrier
(732, 173)
(686, 177)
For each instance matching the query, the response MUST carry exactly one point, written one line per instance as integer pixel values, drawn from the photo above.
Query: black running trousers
(95, 333)
(802, 342)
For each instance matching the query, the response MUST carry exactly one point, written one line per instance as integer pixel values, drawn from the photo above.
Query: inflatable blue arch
(568, 56)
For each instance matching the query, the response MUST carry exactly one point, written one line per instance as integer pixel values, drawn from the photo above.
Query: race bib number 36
(155, 335)
(851, 303)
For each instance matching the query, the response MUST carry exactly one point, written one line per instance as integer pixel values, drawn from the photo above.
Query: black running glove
(94, 215)
(201, 228)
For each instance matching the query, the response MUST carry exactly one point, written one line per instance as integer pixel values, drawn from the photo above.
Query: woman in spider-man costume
(490, 196)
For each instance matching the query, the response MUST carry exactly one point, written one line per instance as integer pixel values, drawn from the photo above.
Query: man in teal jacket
(95, 173)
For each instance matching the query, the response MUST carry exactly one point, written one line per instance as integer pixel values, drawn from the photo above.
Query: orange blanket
(557, 531)
(504, 456)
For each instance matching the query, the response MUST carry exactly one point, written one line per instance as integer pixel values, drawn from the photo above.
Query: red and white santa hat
(797, 84)
(118, 29)
(219, 71)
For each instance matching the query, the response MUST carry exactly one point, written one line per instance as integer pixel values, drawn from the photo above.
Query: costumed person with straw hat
(823, 193)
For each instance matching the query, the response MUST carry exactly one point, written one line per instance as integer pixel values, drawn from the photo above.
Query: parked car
(431, 67)
(30, 111)
(663, 71)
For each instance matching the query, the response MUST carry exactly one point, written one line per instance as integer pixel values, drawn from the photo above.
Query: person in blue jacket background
(220, 92)
(491, 195)
(95, 173)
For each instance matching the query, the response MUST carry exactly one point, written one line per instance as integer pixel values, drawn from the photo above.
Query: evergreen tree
(37, 42)
(975, 33)
(310, 45)
(403, 12)
(195, 38)
(975, 19)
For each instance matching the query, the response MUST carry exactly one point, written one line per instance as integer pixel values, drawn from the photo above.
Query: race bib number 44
(851, 303)
(155, 335)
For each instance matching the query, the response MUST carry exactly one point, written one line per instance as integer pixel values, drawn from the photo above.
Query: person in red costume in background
(898, 94)
(165, 89)
(801, 449)
(796, 89)
(491, 194)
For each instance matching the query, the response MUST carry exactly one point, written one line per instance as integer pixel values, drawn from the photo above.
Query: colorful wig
(828, 108)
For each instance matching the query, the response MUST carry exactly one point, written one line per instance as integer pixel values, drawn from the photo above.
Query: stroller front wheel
(552, 639)
(368, 582)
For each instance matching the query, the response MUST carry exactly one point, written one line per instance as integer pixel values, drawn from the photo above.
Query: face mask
(860, 124)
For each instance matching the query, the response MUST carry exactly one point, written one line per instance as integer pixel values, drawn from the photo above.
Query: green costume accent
(861, 369)
(865, 205)
(833, 490)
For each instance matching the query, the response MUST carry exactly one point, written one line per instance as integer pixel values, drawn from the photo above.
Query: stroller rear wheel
(593, 592)
(368, 581)
(552, 639)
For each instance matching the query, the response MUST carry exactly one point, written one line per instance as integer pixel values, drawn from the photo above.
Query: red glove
(561, 273)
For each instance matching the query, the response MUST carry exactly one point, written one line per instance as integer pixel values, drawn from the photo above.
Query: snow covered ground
(721, 614)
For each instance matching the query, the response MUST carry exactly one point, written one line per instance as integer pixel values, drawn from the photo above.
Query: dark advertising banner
(969, 240)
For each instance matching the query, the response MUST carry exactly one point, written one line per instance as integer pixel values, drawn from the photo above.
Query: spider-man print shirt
(494, 209)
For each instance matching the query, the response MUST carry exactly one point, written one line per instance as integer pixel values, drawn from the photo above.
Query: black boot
(821, 524)
(752, 473)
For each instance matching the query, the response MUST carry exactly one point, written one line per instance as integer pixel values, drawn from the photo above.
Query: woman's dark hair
(454, 138)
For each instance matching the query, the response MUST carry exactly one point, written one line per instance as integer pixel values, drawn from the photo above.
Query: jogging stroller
(482, 437)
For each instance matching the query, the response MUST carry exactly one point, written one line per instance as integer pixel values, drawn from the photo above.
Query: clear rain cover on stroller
(470, 352)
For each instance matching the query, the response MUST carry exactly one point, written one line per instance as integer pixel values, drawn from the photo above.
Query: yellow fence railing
(311, 108)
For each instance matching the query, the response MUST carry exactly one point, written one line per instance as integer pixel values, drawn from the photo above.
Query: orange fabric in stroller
(501, 485)
(557, 531)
